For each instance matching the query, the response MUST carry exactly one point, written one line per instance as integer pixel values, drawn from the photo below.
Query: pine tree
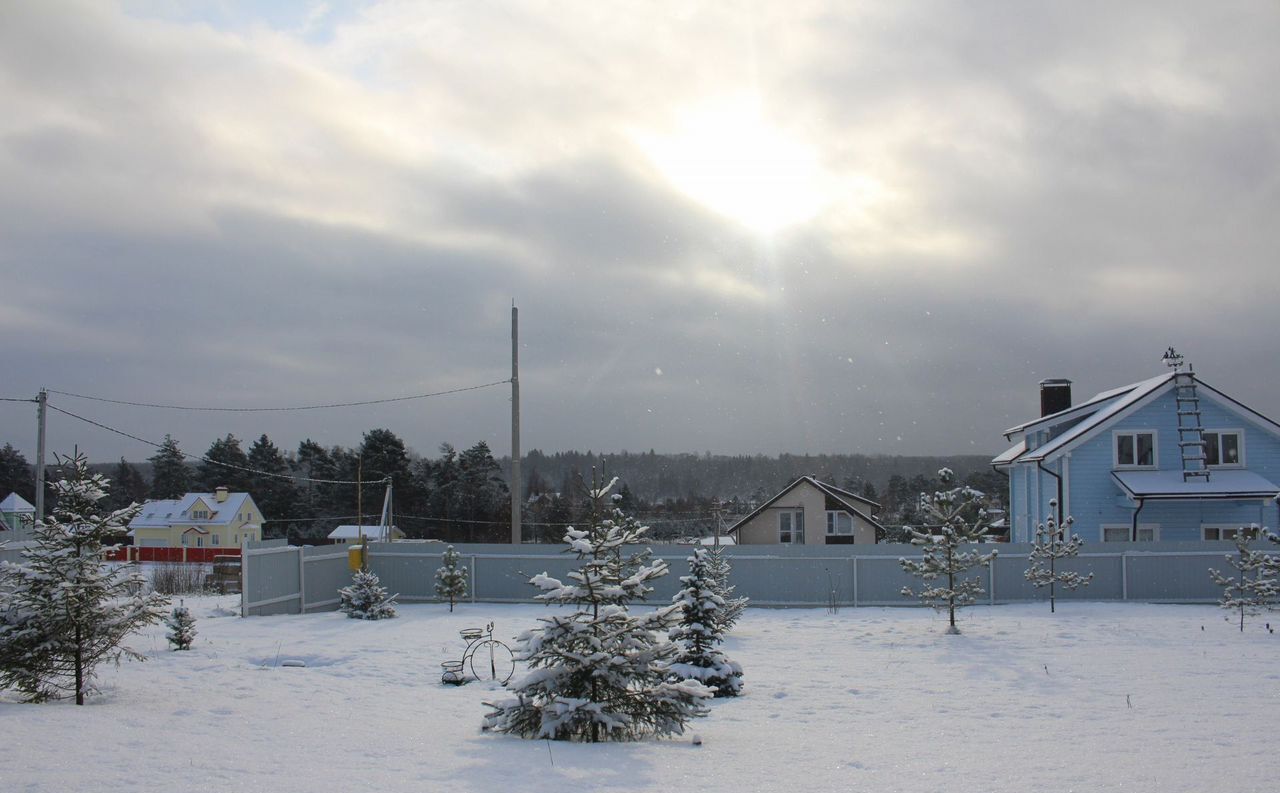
(451, 580)
(276, 496)
(64, 611)
(1254, 585)
(170, 474)
(182, 627)
(718, 566)
(127, 486)
(699, 631)
(600, 672)
(16, 475)
(956, 516)
(225, 465)
(366, 598)
(1050, 546)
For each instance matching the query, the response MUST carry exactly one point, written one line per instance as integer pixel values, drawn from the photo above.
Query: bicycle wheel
(492, 660)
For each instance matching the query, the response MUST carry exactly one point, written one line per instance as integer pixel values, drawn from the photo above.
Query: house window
(791, 527)
(199, 542)
(1135, 449)
(839, 523)
(1226, 533)
(1222, 448)
(184, 539)
(215, 540)
(1146, 533)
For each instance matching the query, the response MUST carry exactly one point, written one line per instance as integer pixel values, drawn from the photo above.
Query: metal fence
(282, 579)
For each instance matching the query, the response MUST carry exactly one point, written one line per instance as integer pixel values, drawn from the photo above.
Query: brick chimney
(1055, 395)
(220, 493)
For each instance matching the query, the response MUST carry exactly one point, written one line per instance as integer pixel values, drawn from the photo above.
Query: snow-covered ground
(1096, 697)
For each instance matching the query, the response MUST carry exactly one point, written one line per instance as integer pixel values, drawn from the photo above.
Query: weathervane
(1172, 359)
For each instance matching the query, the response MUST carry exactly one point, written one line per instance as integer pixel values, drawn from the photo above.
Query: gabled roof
(163, 513)
(16, 503)
(847, 499)
(372, 533)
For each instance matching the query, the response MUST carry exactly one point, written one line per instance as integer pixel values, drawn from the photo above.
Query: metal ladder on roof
(1191, 443)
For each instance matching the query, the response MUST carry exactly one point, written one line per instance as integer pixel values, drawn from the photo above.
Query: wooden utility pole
(515, 425)
(41, 400)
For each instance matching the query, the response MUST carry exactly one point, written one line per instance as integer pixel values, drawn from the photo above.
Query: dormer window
(1135, 449)
(1222, 448)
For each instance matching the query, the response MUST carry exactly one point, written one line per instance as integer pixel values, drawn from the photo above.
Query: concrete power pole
(515, 425)
(41, 400)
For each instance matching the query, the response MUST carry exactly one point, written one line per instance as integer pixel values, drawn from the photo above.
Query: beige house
(809, 512)
(220, 519)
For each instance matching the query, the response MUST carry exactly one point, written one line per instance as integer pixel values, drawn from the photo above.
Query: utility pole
(41, 400)
(515, 425)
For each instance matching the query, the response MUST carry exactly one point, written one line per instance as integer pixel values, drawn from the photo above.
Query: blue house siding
(1094, 500)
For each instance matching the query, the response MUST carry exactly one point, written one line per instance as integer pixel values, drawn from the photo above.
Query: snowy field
(1098, 697)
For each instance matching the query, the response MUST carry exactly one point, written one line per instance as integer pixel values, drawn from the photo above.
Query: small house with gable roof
(810, 512)
(220, 519)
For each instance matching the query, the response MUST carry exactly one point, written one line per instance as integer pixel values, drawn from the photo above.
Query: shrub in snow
(1051, 545)
(698, 632)
(182, 627)
(63, 610)
(451, 580)
(600, 672)
(956, 516)
(1254, 584)
(366, 598)
(718, 571)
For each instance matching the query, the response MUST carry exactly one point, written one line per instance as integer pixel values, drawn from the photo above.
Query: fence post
(855, 582)
(473, 578)
(1124, 575)
(302, 583)
(244, 578)
(991, 579)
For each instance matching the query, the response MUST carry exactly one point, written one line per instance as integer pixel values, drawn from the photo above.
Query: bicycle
(487, 657)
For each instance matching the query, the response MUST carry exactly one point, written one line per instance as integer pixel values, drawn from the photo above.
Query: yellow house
(220, 519)
(809, 512)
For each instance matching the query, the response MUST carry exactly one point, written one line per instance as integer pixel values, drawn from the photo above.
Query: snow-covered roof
(1169, 485)
(16, 503)
(1011, 454)
(163, 513)
(845, 498)
(371, 533)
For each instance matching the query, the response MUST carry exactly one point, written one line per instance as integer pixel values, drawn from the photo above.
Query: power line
(209, 408)
(15, 399)
(217, 462)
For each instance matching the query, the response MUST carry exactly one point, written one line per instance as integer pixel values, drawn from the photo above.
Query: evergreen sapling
(366, 598)
(957, 517)
(1254, 584)
(451, 580)
(698, 632)
(1051, 545)
(64, 610)
(182, 627)
(600, 672)
(718, 571)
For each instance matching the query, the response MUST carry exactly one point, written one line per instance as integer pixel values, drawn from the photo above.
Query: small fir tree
(1254, 584)
(600, 672)
(63, 611)
(451, 580)
(1051, 545)
(366, 598)
(956, 516)
(182, 627)
(718, 571)
(699, 631)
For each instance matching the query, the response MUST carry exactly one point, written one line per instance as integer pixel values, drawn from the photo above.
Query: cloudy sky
(737, 226)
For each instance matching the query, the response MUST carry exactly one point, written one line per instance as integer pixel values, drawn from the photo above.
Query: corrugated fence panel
(881, 579)
(270, 572)
(1181, 578)
(326, 571)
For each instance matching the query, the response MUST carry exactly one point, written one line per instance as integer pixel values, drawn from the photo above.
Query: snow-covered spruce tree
(954, 517)
(1254, 585)
(182, 627)
(1051, 545)
(451, 580)
(600, 672)
(698, 632)
(366, 598)
(63, 610)
(718, 571)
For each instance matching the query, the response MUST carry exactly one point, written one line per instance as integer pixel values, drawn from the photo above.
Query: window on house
(184, 539)
(1226, 533)
(1135, 449)
(215, 540)
(1222, 448)
(839, 523)
(791, 527)
(199, 542)
(1123, 533)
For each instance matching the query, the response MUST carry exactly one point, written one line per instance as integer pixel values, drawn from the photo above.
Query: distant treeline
(463, 496)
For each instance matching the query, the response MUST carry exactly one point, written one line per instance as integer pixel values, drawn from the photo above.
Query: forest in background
(462, 496)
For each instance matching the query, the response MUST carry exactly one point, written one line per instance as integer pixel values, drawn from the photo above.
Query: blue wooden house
(1166, 459)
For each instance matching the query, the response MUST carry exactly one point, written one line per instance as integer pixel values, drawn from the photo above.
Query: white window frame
(1239, 433)
(215, 540)
(1154, 528)
(1155, 450)
(795, 527)
(833, 523)
(1221, 531)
